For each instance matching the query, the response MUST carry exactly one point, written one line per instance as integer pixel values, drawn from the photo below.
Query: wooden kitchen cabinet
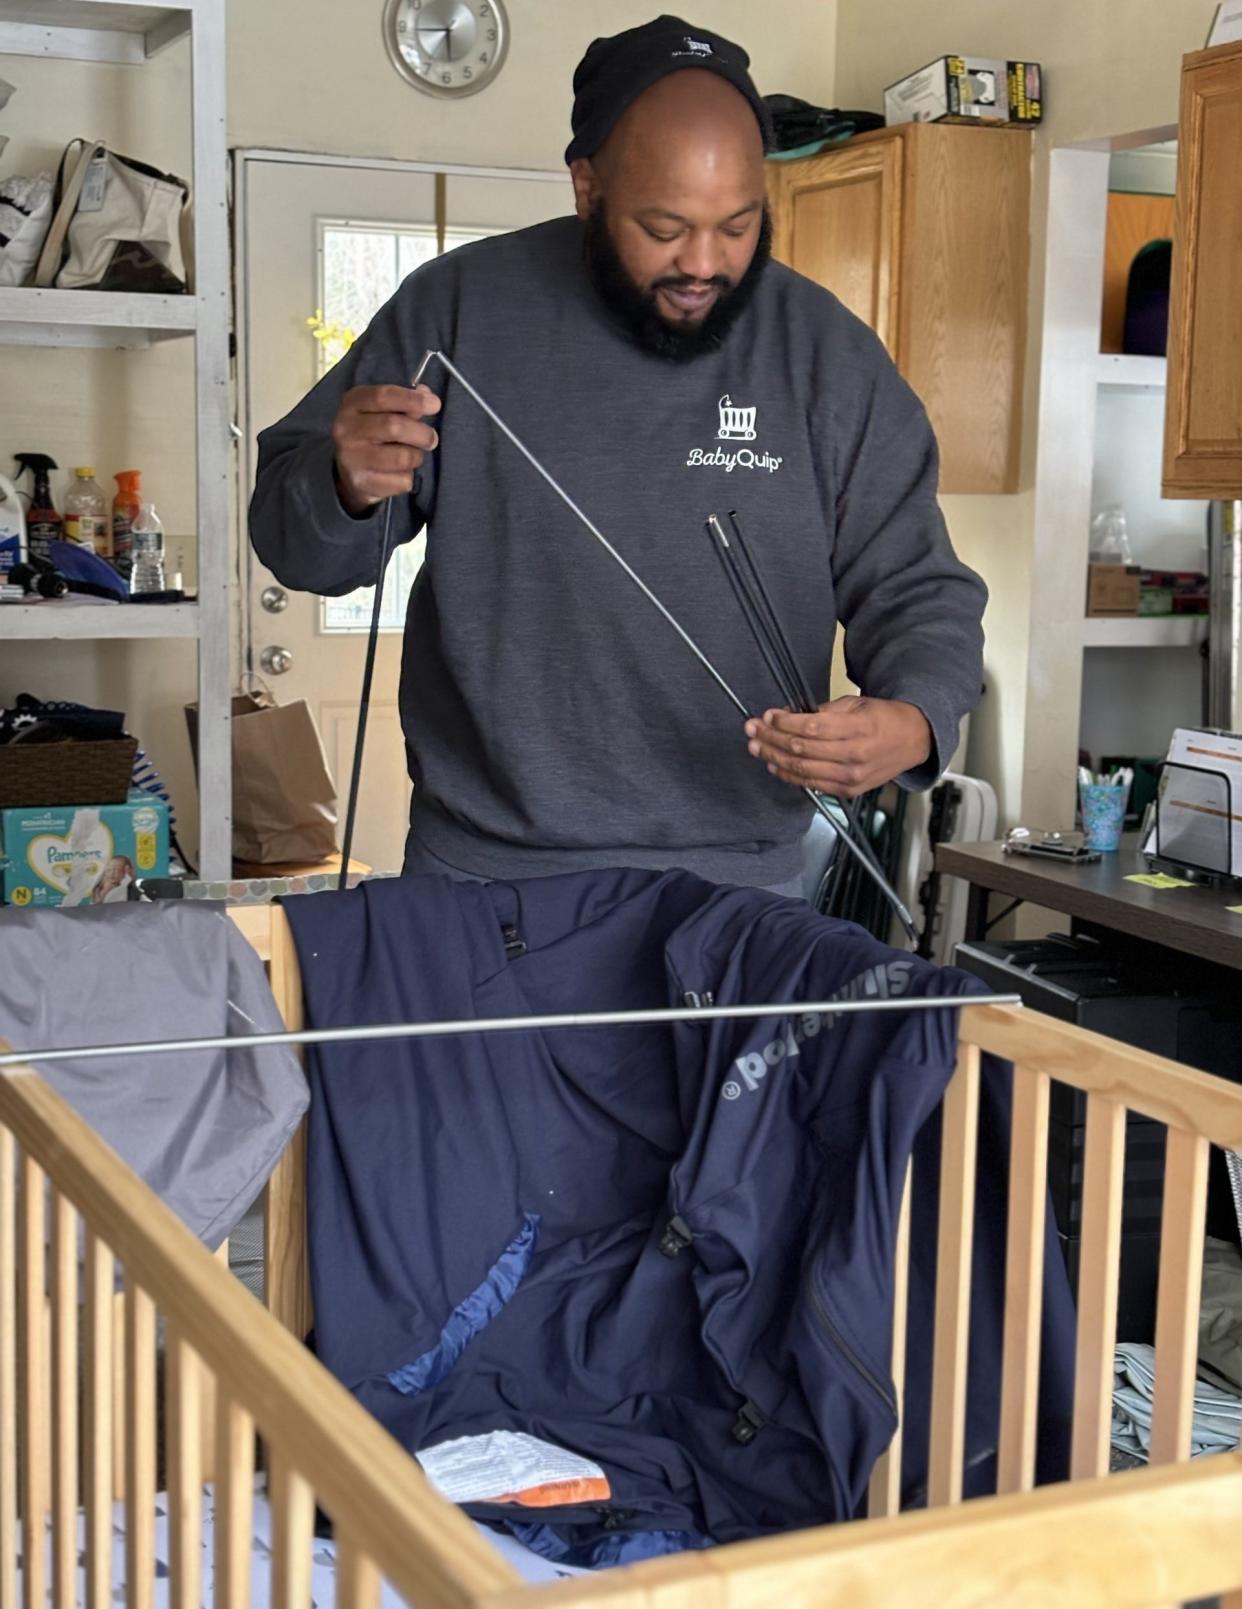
(924, 231)
(1203, 421)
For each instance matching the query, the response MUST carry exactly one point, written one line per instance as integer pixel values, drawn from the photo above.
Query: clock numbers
(482, 57)
(485, 10)
(466, 73)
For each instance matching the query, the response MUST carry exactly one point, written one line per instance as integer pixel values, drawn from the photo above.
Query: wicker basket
(34, 775)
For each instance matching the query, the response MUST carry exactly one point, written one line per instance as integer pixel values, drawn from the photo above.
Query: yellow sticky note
(1159, 880)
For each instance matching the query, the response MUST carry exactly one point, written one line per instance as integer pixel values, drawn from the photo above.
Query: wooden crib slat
(293, 1534)
(98, 1409)
(184, 1443)
(286, 1276)
(139, 1446)
(884, 1491)
(953, 1261)
(119, 1425)
(1178, 1294)
(1103, 1177)
(65, 1402)
(234, 1502)
(1024, 1281)
(357, 1579)
(33, 1359)
(8, 1368)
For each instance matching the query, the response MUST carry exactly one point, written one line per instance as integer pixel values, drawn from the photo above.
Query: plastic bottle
(126, 507)
(43, 524)
(86, 514)
(1110, 541)
(12, 528)
(147, 552)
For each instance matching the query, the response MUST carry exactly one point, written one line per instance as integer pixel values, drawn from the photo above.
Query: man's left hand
(846, 748)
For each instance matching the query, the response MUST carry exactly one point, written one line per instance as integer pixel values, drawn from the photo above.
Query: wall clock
(447, 47)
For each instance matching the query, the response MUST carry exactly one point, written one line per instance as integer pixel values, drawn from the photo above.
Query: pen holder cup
(1103, 813)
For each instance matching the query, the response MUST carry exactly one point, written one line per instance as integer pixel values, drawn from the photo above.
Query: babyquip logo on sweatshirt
(882, 982)
(736, 422)
(696, 47)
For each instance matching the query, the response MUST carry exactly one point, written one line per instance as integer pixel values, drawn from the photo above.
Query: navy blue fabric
(780, 1144)
(471, 1316)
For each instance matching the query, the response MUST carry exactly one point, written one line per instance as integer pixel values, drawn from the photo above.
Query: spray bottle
(43, 523)
(12, 528)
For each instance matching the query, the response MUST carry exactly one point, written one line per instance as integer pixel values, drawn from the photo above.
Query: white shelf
(1126, 371)
(1146, 631)
(32, 317)
(85, 622)
(126, 31)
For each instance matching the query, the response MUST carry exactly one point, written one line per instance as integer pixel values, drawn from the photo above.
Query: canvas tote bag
(117, 225)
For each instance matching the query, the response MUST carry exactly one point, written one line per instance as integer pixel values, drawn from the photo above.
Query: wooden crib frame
(76, 1430)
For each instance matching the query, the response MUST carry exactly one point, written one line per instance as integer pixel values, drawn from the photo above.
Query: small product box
(1113, 589)
(81, 854)
(968, 89)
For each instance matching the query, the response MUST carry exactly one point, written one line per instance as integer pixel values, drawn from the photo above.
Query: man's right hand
(381, 438)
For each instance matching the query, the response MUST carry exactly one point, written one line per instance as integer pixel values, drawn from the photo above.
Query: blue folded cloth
(1217, 1425)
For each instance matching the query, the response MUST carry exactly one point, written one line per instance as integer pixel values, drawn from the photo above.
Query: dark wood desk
(1193, 920)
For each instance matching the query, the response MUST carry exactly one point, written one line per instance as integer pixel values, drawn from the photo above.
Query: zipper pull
(676, 1237)
(747, 1425)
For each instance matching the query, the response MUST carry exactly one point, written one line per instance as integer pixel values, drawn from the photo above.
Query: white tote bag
(117, 225)
(25, 213)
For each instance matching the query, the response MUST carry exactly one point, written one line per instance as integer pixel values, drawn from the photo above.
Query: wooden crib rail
(320, 1443)
(1133, 1541)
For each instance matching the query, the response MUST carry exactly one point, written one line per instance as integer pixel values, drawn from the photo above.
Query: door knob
(275, 661)
(274, 599)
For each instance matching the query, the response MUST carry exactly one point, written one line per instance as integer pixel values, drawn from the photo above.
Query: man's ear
(586, 185)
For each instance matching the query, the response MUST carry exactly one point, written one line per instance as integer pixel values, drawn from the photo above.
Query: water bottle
(147, 552)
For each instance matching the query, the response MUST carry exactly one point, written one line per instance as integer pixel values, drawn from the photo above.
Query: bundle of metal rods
(795, 693)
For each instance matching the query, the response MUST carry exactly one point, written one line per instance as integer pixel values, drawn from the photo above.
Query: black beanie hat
(616, 71)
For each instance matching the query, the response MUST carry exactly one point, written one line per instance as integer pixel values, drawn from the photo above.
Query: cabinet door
(1203, 425)
(837, 218)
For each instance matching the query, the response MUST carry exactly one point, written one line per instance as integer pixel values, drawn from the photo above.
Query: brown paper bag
(284, 798)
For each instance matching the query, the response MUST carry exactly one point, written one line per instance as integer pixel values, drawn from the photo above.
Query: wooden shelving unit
(132, 31)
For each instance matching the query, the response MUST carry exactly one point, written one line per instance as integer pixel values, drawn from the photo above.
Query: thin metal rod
(766, 613)
(501, 1025)
(591, 527)
(769, 649)
(368, 672)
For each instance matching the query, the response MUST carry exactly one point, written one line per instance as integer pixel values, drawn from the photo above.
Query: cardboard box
(83, 854)
(968, 89)
(1113, 589)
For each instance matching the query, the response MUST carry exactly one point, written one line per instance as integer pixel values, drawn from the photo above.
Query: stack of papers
(1200, 802)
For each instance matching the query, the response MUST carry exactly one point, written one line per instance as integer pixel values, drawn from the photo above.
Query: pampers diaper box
(81, 854)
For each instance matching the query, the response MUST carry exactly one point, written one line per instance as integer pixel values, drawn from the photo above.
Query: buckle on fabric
(747, 1425)
(697, 1002)
(514, 943)
(676, 1237)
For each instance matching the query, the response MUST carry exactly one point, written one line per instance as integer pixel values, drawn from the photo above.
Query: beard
(638, 310)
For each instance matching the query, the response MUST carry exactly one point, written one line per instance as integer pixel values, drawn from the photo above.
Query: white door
(336, 238)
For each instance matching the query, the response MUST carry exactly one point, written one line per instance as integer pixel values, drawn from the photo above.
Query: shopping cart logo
(698, 47)
(736, 424)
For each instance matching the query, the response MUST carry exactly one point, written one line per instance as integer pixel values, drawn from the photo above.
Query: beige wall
(359, 105)
(300, 77)
(1111, 68)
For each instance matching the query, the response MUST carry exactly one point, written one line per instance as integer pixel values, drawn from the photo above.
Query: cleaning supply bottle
(147, 552)
(86, 514)
(126, 507)
(12, 528)
(43, 523)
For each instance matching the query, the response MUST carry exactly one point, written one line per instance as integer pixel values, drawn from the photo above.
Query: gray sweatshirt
(553, 720)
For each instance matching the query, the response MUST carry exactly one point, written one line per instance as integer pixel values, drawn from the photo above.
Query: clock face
(447, 47)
